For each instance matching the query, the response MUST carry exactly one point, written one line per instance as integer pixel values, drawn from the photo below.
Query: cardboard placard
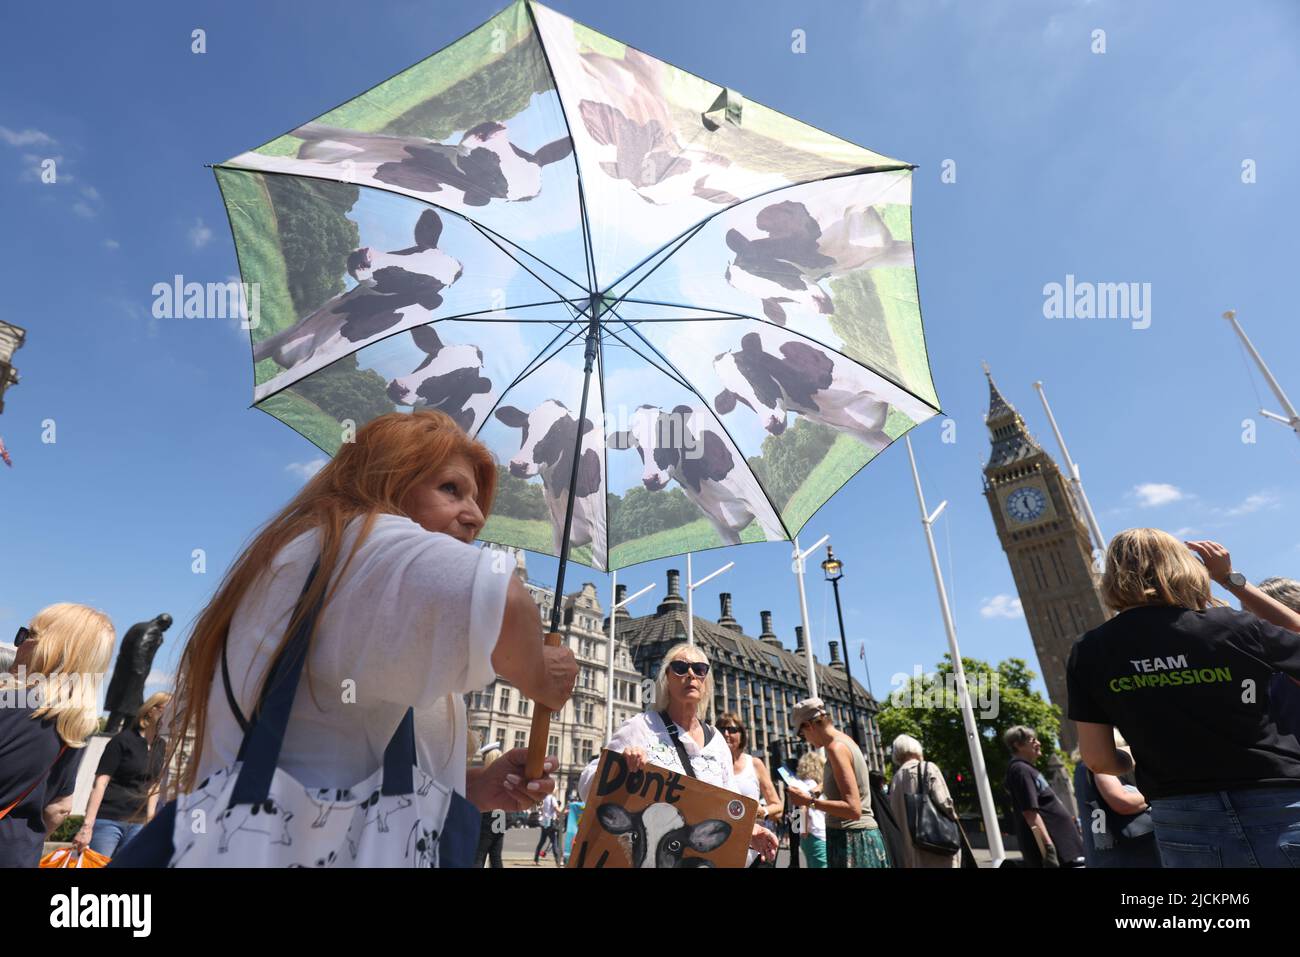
(660, 818)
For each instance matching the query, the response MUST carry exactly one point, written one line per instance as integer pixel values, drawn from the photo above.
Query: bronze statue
(125, 694)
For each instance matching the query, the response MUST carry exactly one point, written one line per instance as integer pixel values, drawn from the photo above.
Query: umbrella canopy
(537, 200)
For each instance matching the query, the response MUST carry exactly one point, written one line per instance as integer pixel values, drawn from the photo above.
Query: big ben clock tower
(1042, 530)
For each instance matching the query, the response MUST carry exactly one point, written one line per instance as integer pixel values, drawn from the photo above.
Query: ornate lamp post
(834, 571)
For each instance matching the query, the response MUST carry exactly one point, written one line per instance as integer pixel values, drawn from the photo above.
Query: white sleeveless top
(747, 781)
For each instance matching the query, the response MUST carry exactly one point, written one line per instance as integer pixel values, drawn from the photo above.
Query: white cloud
(158, 677)
(82, 210)
(305, 470)
(25, 137)
(200, 235)
(112, 244)
(1001, 606)
(1152, 494)
(1253, 503)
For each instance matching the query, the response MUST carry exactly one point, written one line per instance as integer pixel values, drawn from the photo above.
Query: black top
(28, 749)
(1190, 692)
(133, 767)
(1030, 792)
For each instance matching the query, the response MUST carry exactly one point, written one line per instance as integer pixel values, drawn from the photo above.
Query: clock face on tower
(1026, 504)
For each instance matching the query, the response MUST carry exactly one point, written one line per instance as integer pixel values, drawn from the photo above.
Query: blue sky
(1117, 167)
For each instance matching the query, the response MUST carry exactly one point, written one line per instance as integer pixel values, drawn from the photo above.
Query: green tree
(916, 709)
(519, 498)
(640, 512)
(316, 236)
(788, 458)
(345, 391)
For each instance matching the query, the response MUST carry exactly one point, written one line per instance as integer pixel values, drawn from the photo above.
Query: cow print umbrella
(679, 319)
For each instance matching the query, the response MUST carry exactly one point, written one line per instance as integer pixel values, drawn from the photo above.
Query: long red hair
(367, 477)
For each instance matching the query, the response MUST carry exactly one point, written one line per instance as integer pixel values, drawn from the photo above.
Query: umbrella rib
(648, 360)
(722, 425)
(864, 171)
(484, 233)
(463, 316)
(532, 366)
(767, 322)
(577, 167)
(559, 272)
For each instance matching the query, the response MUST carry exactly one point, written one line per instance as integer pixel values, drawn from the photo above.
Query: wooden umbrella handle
(541, 725)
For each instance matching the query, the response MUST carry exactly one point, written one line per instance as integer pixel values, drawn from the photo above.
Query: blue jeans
(108, 836)
(1251, 827)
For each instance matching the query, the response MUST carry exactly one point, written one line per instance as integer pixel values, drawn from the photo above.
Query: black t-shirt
(28, 749)
(1030, 792)
(133, 768)
(1189, 690)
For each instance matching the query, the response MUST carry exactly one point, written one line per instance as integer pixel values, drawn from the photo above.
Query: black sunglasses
(679, 667)
(727, 729)
(23, 634)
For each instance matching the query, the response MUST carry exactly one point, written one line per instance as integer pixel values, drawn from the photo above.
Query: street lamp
(834, 571)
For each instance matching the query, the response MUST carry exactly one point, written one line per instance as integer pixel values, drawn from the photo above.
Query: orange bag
(68, 857)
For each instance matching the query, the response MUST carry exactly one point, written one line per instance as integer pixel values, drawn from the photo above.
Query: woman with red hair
(413, 616)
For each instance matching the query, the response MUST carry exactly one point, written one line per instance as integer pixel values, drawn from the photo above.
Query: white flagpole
(614, 606)
(691, 585)
(797, 567)
(1292, 417)
(1074, 474)
(973, 739)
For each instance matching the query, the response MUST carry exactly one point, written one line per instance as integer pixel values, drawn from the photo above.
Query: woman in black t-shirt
(50, 706)
(125, 792)
(1186, 681)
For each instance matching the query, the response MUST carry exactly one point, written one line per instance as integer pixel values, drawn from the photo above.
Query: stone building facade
(501, 713)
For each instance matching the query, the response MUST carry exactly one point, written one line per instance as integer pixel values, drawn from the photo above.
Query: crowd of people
(368, 580)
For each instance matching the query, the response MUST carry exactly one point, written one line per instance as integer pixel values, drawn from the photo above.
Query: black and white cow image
(547, 447)
(387, 284)
(658, 835)
(485, 166)
(450, 380)
(636, 134)
(424, 843)
(370, 813)
(807, 242)
(328, 800)
(263, 818)
(774, 374)
(326, 861)
(683, 446)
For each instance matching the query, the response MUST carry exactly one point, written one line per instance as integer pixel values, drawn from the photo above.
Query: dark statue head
(163, 621)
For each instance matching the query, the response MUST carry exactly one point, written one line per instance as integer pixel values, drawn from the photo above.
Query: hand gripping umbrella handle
(541, 725)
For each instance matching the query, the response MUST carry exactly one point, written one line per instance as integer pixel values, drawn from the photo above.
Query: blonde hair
(1145, 566)
(155, 699)
(811, 766)
(687, 652)
(74, 644)
(367, 477)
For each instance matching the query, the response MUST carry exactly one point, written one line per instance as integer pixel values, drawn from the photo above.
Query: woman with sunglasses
(853, 837)
(51, 707)
(752, 779)
(125, 793)
(683, 689)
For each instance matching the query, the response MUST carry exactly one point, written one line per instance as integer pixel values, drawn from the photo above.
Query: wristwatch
(1235, 580)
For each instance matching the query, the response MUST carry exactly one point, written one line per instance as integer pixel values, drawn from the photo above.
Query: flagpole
(691, 585)
(1292, 417)
(1074, 474)
(797, 567)
(973, 739)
